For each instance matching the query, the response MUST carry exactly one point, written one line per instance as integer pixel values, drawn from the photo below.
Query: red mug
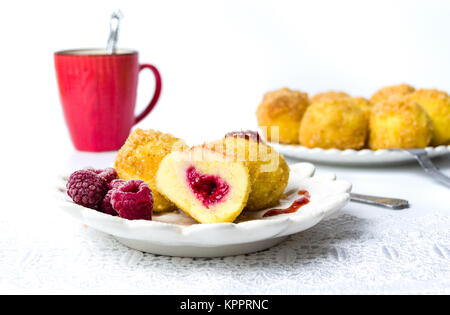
(98, 95)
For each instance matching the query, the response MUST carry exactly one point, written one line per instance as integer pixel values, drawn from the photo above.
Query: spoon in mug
(113, 32)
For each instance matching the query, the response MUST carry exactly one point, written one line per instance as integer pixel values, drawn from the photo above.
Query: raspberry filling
(209, 189)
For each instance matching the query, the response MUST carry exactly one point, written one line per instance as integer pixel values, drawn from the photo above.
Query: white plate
(176, 234)
(353, 157)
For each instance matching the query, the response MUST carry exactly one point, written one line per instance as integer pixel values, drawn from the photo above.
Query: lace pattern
(358, 251)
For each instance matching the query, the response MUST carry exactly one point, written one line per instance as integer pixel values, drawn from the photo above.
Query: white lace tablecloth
(363, 250)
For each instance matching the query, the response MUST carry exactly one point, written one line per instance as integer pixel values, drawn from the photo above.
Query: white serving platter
(354, 157)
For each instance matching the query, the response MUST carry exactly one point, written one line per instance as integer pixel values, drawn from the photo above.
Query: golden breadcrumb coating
(329, 95)
(338, 123)
(140, 156)
(399, 123)
(283, 109)
(269, 172)
(364, 104)
(437, 105)
(385, 93)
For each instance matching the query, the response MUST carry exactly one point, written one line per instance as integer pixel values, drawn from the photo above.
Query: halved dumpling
(269, 172)
(207, 185)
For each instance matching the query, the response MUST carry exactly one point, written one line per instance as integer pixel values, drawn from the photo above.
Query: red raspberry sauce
(209, 189)
(297, 204)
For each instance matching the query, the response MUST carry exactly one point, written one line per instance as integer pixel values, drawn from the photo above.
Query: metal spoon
(391, 203)
(424, 160)
(113, 32)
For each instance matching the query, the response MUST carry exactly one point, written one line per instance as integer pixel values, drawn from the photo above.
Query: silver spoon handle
(113, 32)
(429, 167)
(386, 202)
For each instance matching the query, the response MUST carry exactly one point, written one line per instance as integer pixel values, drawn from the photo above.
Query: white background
(217, 59)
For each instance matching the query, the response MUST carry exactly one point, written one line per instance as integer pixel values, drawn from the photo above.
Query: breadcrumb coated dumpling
(385, 93)
(364, 104)
(437, 105)
(329, 95)
(269, 172)
(140, 156)
(399, 123)
(338, 123)
(283, 109)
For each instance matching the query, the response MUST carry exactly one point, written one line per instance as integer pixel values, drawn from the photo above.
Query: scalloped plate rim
(351, 156)
(192, 235)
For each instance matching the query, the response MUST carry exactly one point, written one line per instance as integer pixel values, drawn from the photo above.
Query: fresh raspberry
(109, 174)
(133, 200)
(116, 183)
(106, 204)
(87, 189)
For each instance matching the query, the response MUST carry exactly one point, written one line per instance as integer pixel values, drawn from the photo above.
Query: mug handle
(156, 95)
